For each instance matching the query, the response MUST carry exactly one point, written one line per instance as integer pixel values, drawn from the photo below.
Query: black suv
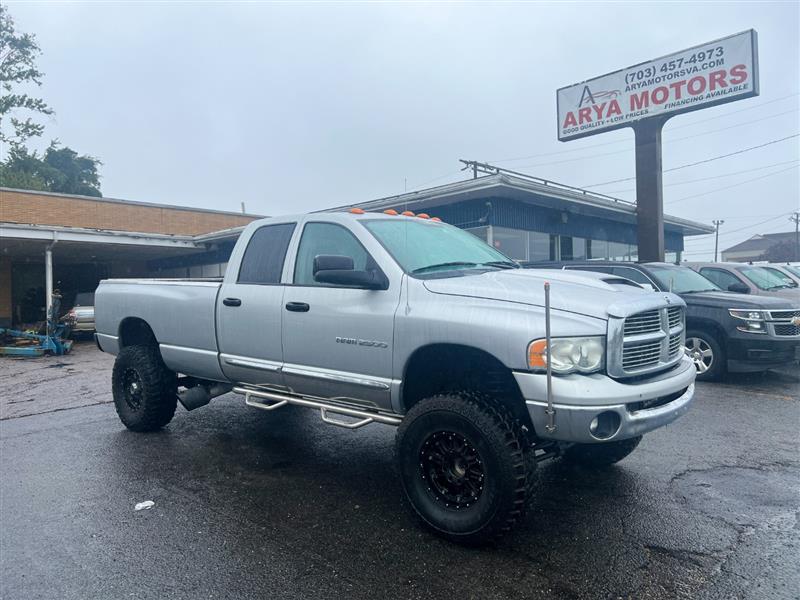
(725, 331)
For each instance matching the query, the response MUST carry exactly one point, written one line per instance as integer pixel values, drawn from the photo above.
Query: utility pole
(795, 218)
(717, 223)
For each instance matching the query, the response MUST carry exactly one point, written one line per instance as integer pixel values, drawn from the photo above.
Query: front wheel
(464, 466)
(706, 354)
(145, 391)
(601, 454)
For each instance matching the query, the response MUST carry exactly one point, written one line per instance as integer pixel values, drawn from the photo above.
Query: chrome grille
(674, 316)
(646, 322)
(646, 341)
(786, 329)
(783, 314)
(641, 355)
(675, 344)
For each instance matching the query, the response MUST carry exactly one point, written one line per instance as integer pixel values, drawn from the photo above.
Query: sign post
(644, 97)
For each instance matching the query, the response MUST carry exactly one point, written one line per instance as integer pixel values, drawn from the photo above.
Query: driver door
(338, 340)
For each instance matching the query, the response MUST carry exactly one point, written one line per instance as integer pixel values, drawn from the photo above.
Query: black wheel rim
(452, 469)
(132, 388)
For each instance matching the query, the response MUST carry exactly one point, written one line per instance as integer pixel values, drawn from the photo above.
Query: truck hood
(723, 299)
(581, 292)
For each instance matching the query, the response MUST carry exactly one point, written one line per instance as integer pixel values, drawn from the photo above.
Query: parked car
(726, 331)
(413, 323)
(785, 272)
(746, 279)
(81, 315)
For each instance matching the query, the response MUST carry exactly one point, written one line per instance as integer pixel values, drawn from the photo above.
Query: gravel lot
(253, 505)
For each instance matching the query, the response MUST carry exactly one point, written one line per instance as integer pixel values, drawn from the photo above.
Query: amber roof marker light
(357, 211)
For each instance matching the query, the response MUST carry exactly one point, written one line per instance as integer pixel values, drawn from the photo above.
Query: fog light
(605, 425)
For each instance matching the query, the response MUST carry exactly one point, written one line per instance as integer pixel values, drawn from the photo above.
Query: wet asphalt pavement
(251, 504)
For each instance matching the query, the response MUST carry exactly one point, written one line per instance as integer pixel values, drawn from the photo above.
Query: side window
(263, 258)
(633, 275)
(326, 238)
(722, 278)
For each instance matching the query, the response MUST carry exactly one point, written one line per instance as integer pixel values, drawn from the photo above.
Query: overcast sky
(291, 107)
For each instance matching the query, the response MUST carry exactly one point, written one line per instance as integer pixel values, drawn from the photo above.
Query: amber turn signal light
(537, 354)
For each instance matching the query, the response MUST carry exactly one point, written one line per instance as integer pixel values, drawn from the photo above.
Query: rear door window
(722, 278)
(263, 258)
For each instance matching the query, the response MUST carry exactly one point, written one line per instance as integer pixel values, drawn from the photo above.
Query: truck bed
(181, 313)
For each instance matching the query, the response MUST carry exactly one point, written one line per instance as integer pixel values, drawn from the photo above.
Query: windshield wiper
(456, 263)
(502, 264)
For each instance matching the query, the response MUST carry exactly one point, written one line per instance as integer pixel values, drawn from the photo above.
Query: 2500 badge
(357, 342)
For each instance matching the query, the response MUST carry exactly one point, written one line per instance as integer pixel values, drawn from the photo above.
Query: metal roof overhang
(547, 194)
(74, 244)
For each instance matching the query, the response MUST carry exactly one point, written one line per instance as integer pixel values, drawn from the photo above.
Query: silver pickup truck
(407, 321)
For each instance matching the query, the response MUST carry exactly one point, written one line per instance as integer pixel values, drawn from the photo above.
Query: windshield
(681, 280)
(793, 270)
(763, 279)
(783, 276)
(432, 247)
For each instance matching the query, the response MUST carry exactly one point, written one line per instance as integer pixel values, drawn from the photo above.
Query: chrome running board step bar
(275, 400)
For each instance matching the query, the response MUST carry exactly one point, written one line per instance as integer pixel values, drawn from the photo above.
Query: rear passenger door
(249, 310)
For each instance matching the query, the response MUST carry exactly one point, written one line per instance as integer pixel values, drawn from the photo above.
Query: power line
(627, 150)
(775, 218)
(733, 112)
(701, 162)
(728, 187)
(714, 176)
(602, 144)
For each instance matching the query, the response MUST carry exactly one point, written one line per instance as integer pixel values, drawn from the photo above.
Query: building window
(619, 251)
(511, 242)
(572, 248)
(598, 249)
(541, 246)
(479, 232)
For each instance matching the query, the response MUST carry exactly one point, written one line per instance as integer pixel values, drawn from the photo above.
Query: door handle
(297, 306)
(232, 302)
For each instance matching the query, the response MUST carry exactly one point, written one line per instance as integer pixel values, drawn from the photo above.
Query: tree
(66, 172)
(18, 53)
(59, 170)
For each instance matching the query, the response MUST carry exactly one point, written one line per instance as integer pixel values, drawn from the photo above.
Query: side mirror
(739, 288)
(338, 270)
(332, 262)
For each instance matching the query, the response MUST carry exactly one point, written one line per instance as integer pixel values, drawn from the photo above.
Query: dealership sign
(721, 71)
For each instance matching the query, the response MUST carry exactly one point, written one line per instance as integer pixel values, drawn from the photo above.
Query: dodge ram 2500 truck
(407, 321)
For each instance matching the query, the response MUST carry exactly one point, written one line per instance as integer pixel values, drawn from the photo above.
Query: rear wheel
(601, 454)
(706, 354)
(145, 391)
(464, 466)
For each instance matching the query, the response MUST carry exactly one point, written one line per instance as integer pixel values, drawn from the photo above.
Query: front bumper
(578, 399)
(83, 326)
(749, 352)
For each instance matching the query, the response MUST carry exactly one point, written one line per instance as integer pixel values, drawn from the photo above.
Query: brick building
(85, 239)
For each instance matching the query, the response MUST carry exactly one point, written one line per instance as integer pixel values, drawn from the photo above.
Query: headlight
(753, 320)
(567, 355)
